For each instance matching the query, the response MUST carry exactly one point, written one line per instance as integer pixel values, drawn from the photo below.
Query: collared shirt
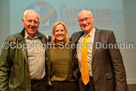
(90, 46)
(36, 57)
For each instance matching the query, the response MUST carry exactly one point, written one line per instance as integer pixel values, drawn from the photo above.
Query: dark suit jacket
(107, 64)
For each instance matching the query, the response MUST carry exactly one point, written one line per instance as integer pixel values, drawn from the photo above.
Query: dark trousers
(64, 86)
(88, 87)
(39, 85)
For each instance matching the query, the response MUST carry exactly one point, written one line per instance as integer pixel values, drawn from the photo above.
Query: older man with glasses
(98, 68)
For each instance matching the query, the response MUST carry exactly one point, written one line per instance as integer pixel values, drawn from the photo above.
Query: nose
(84, 21)
(59, 32)
(32, 23)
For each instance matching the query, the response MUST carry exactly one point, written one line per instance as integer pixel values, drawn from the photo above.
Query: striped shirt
(36, 57)
(90, 46)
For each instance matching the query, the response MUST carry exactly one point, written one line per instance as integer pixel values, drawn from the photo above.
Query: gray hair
(26, 11)
(86, 10)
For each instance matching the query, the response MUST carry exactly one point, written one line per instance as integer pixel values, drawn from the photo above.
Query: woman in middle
(61, 70)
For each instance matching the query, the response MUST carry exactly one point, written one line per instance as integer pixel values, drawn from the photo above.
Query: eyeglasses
(85, 19)
(35, 21)
(30, 21)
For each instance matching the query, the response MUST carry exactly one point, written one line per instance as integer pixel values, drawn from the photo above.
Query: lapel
(20, 40)
(77, 36)
(97, 38)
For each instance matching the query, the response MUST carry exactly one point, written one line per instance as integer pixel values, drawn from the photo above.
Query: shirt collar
(91, 33)
(27, 36)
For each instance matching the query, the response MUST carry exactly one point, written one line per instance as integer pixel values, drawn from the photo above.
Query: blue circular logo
(48, 14)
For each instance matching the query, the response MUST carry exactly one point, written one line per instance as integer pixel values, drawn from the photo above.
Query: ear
(93, 19)
(23, 21)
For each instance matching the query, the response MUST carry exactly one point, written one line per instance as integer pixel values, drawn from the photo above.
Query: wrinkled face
(31, 23)
(86, 21)
(59, 33)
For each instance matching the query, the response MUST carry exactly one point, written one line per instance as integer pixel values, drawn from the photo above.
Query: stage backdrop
(116, 15)
(108, 14)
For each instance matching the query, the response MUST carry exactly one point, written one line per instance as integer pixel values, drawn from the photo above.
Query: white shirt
(36, 57)
(90, 46)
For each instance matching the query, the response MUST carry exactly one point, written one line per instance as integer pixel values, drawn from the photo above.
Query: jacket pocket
(109, 75)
